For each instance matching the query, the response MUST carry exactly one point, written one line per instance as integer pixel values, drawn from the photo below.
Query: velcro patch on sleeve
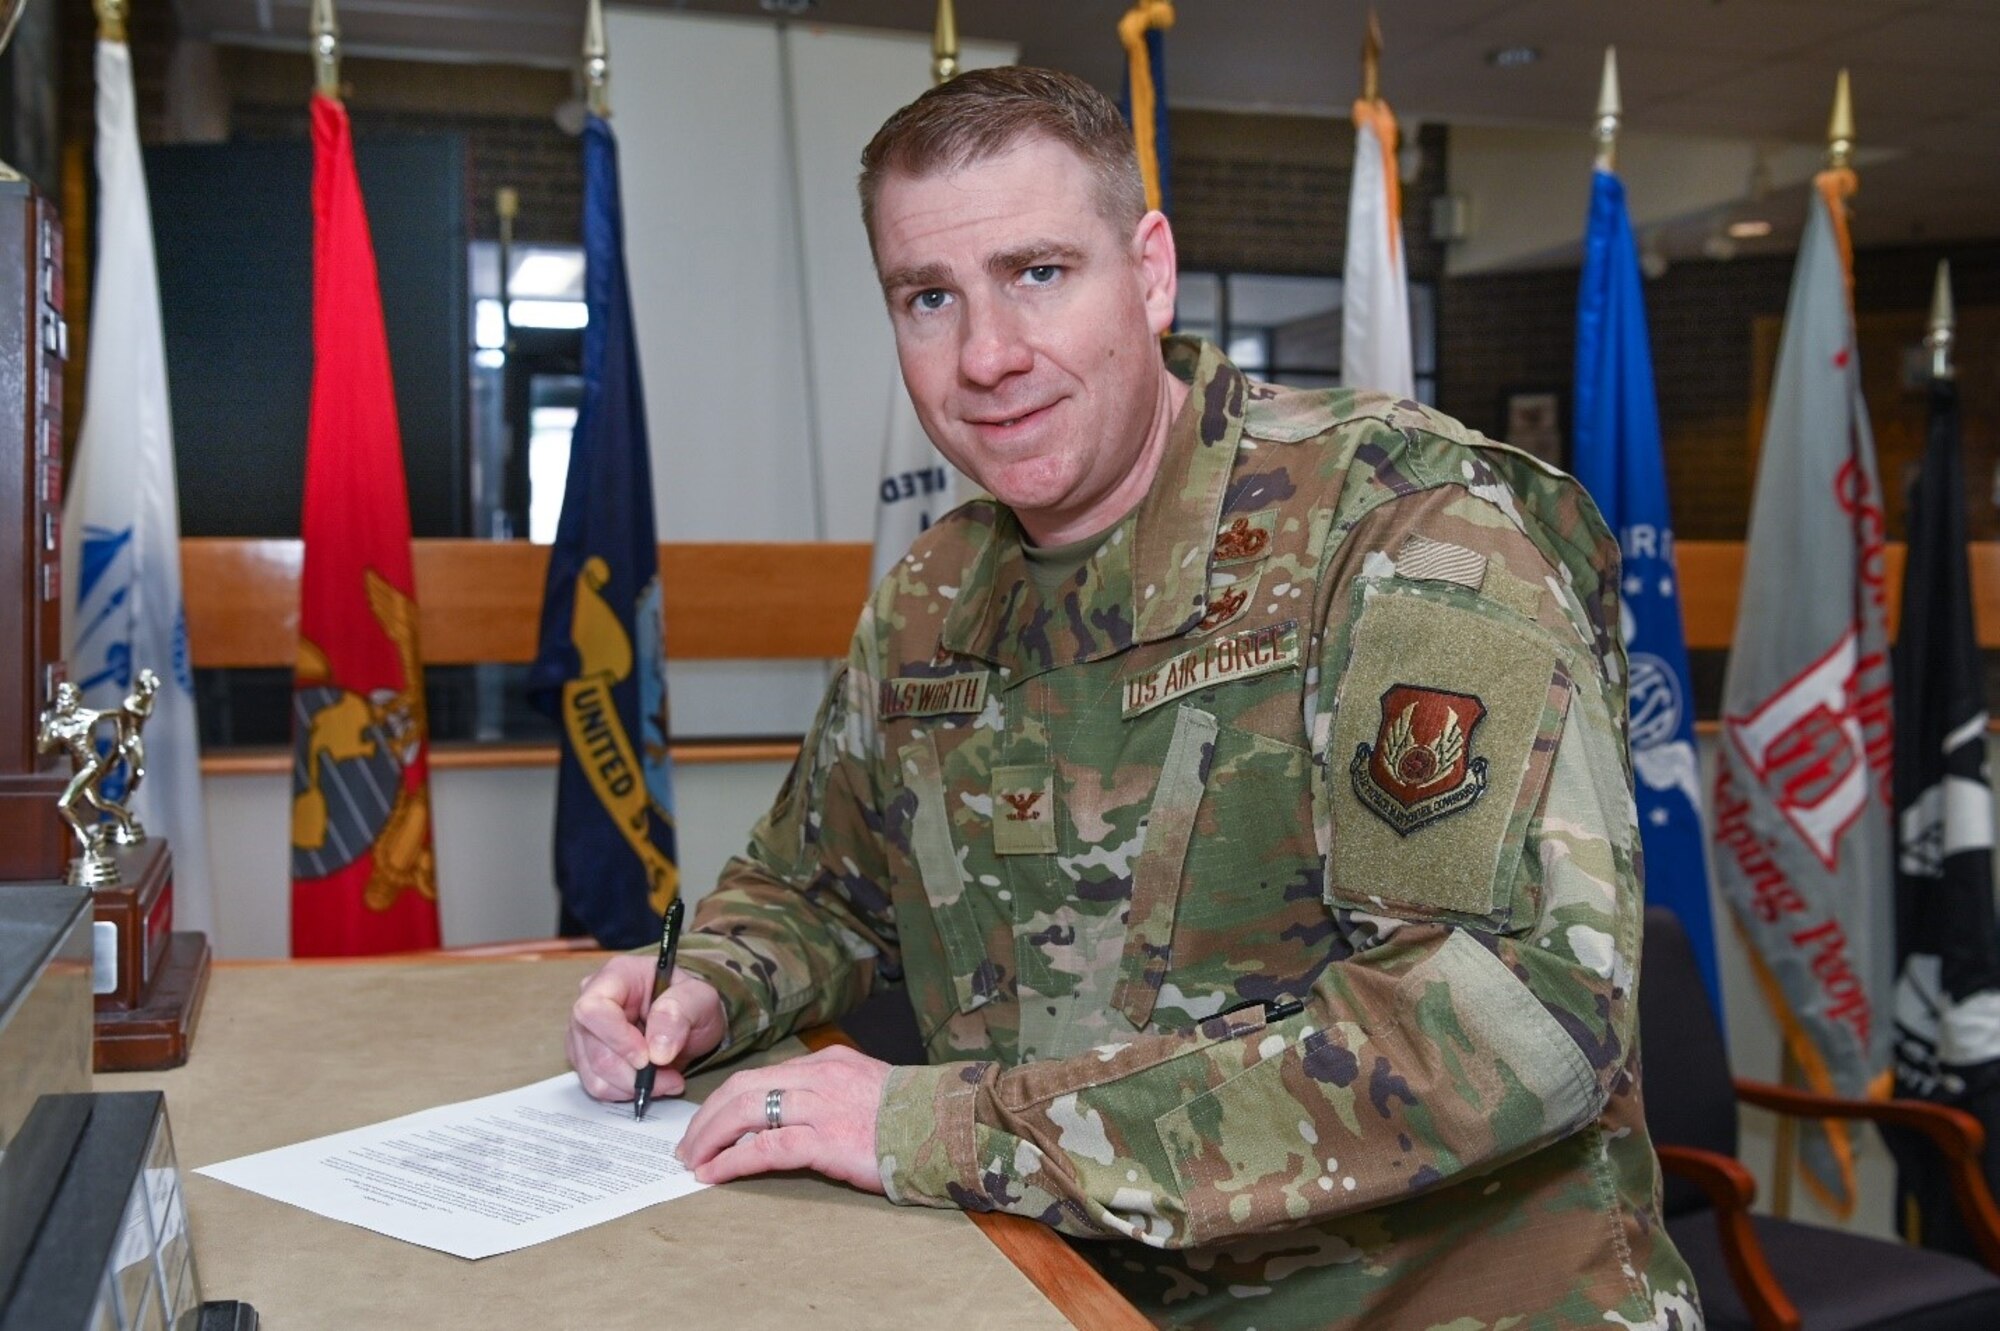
(1442, 710)
(1242, 655)
(939, 696)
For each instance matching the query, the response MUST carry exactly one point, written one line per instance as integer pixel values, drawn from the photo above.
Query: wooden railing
(481, 602)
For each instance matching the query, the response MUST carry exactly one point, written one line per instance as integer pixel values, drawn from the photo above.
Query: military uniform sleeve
(1476, 998)
(799, 928)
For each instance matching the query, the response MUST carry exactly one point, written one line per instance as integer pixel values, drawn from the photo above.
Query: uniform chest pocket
(974, 980)
(1229, 856)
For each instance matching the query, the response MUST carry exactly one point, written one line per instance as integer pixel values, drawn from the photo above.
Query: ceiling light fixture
(1750, 228)
(1513, 57)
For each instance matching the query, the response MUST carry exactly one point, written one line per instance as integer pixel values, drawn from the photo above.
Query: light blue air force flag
(122, 607)
(1618, 460)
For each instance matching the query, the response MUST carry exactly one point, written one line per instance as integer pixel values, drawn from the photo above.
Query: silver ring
(774, 1109)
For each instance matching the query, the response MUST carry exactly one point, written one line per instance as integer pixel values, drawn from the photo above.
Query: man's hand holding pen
(605, 1042)
(639, 1014)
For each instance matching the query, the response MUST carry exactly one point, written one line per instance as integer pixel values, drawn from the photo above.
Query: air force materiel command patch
(1420, 767)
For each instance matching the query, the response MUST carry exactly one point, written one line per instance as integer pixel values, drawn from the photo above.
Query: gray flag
(1801, 814)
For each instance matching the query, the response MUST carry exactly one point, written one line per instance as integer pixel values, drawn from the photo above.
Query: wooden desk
(290, 1051)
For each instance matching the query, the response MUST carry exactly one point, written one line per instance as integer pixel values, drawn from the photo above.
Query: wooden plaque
(34, 844)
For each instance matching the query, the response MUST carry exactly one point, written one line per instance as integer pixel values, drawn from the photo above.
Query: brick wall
(505, 114)
(1268, 193)
(1512, 331)
(1252, 193)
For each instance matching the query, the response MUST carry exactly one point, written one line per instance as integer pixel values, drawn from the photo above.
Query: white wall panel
(847, 82)
(709, 247)
(495, 829)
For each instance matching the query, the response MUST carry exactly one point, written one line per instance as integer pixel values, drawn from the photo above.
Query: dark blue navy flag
(600, 669)
(1618, 460)
(1143, 98)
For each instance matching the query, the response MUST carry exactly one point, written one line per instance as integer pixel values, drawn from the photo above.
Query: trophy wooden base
(150, 980)
(160, 1033)
(134, 916)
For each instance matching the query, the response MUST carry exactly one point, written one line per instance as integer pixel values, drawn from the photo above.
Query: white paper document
(485, 1176)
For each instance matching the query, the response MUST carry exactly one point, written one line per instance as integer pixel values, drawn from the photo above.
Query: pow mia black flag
(1947, 1008)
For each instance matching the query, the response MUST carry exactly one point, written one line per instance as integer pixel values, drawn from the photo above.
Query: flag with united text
(601, 669)
(916, 488)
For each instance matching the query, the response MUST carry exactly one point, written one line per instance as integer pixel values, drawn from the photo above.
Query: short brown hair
(984, 112)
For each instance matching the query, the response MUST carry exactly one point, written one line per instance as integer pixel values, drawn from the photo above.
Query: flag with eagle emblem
(364, 879)
(601, 667)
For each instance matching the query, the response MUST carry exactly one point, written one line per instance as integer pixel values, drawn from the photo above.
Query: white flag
(1375, 323)
(1801, 814)
(916, 484)
(122, 608)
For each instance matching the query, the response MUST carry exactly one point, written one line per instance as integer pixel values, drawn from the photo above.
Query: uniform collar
(1149, 580)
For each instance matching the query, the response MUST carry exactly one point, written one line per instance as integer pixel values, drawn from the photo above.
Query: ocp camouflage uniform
(1268, 900)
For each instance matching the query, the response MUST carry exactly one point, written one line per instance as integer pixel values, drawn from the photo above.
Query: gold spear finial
(1939, 336)
(1609, 109)
(110, 20)
(1371, 59)
(596, 62)
(1840, 127)
(326, 49)
(944, 44)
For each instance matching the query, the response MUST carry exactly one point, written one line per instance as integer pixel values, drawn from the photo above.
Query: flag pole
(1371, 59)
(326, 50)
(1840, 127)
(110, 20)
(944, 43)
(1609, 109)
(1939, 335)
(1835, 183)
(596, 62)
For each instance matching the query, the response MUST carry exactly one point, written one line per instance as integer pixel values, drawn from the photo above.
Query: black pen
(670, 943)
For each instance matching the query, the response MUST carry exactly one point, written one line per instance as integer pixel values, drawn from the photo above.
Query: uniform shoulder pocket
(1446, 720)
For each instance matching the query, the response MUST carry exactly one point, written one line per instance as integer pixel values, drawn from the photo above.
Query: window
(1287, 329)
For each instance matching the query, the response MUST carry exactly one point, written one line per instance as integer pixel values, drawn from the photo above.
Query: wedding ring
(774, 1109)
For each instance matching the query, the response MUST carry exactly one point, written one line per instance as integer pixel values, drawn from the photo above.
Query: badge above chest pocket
(1445, 729)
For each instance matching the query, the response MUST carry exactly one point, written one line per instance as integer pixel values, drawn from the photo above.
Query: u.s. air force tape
(1241, 655)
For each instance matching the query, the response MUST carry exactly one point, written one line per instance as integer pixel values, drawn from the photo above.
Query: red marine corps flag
(363, 877)
(1801, 814)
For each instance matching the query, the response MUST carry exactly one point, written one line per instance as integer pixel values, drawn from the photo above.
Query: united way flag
(1618, 460)
(601, 666)
(122, 609)
(1803, 846)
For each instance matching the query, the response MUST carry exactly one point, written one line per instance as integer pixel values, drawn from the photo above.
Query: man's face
(1027, 327)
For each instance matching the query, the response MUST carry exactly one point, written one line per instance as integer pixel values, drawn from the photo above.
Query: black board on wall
(233, 227)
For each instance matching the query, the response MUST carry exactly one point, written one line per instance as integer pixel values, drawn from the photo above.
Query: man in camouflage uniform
(1242, 800)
